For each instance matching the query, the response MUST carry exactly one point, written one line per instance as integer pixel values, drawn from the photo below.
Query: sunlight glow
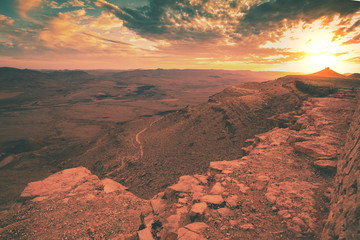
(320, 61)
(317, 46)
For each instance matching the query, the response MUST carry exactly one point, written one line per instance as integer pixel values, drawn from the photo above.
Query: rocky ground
(74, 204)
(280, 189)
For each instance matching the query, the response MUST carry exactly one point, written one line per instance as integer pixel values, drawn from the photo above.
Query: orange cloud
(24, 6)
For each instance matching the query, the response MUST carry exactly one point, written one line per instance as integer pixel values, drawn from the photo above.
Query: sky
(260, 35)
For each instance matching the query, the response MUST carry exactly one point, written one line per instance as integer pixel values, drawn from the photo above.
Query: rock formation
(344, 217)
(282, 188)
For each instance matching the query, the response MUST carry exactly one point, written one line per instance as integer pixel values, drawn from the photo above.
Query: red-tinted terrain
(259, 160)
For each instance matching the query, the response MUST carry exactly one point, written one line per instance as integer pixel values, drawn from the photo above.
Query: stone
(219, 166)
(183, 200)
(247, 226)
(284, 213)
(202, 178)
(166, 235)
(243, 188)
(198, 208)
(145, 234)
(6, 161)
(157, 204)
(225, 212)
(186, 184)
(217, 189)
(316, 149)
(197, 196)
(173, 221)
(112, 186)
(74, 203)
(326, 165)
(61, 183)
(299, 221)
(197, 227)
(212, 199)
(149, 219)
(233, 201)
(185, 234)
(263, 178)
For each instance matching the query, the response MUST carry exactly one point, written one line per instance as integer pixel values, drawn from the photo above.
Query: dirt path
(139, 133)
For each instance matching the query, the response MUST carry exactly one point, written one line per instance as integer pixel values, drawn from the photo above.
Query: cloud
(70, 3)
(172, 20)
(24, 6)
(5, 21)
(98, 36)
(73, 34)
(236, 20)
(354, 40)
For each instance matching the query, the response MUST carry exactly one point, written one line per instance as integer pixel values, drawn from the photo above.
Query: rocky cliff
(344, 217)
(282, 188)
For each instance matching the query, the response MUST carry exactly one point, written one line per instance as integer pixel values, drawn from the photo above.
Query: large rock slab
(326, 165)
(75, 204)
(343, 221)
(186, 184)
(317, 149)
(74, 179)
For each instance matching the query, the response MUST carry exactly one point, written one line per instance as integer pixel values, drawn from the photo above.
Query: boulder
(326, 165)
(186, 184)
(197, 227)
(213, 199)
(233, 201)
(316, 149)
(217, 189)
(247, 226)
(145, 234)
(73, 179)
(225, 212)
(185, 234)
(112, 186)
(198, 209)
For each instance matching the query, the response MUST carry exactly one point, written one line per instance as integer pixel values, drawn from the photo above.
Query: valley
(258, 160)
(52, 120)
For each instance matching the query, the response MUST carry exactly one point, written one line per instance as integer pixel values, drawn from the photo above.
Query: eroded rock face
(74, 204)
(344, 221)
(280, 190)
(277, 191)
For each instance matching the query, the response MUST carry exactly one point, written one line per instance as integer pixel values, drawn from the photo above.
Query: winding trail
(142, 131)
(121, 159)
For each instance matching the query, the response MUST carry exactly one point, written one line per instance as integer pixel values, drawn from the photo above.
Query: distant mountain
(8, 73)
(25, 78)
(354, 75)
(327, 72)
(21, 74)
(68, 74)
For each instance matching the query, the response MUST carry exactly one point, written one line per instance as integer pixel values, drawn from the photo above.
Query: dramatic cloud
(209, 19)
(232, 34)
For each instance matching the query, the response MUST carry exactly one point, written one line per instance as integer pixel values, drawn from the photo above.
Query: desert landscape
(180, 120)
(57, 120)
(186, 170)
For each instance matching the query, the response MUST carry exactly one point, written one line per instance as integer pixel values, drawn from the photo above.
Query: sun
(315, 47)
(314, 62)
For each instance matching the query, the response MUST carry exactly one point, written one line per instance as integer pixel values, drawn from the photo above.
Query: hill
(327, 72)
(184, 142)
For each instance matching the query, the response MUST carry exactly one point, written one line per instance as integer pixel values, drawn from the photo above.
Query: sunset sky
(288, 35)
